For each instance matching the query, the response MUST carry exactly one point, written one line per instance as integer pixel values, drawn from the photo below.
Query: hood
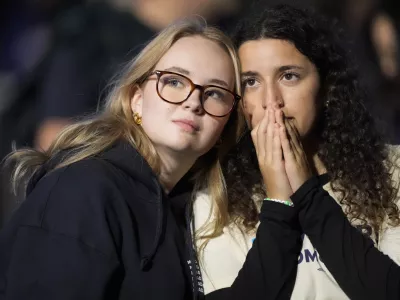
(123, 156)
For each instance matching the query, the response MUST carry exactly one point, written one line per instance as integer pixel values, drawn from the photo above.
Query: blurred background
(57, 57)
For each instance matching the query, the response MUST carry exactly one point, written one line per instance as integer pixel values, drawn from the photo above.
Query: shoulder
(394, 150)
(394, 163)
(85, 176)
(82, 200)
(394, 154)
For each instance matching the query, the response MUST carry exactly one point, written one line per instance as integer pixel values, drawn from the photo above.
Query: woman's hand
(296, 163)
(267, 141)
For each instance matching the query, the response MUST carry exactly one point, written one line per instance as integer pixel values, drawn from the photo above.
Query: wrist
(287, 202)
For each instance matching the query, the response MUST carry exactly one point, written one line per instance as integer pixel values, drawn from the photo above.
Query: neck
(173, 167)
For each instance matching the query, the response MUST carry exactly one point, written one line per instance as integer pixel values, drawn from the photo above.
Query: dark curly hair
(350, 146)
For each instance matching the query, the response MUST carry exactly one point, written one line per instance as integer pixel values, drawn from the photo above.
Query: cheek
(305, 114)
(214, 127)
(149, 102)
(155, 109)
(256, 119)
(252, 112)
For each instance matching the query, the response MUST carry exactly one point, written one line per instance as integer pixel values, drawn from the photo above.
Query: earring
(137, 118)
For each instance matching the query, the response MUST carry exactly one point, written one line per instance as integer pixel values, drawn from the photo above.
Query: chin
(183, 147)
(180, 148)
(304, 133)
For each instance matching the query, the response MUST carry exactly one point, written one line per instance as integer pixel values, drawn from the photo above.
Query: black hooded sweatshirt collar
(126, 158)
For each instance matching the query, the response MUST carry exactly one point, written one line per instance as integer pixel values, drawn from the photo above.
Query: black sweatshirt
(361, 270)
(103, 228)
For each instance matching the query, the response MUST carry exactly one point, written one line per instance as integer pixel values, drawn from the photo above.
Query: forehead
(270, 53)
(202, 57)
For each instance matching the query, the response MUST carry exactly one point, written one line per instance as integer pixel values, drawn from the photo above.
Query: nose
(272, 97)
(193, 103)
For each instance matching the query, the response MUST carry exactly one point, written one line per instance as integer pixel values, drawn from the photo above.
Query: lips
(186, 124)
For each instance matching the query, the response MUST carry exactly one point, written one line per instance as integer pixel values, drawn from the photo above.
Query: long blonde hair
(115, 121)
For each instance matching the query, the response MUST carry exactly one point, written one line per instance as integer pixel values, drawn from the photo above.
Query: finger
(253, 134)
(298, 143)
(288, 154)
(258, 136)
(296, 132)
(277, 155)
(279, 117)
(270, 135)
(261, 135)
(293, 140)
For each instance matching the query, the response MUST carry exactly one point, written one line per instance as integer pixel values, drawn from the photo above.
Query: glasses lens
(173, 87)
(217, 101)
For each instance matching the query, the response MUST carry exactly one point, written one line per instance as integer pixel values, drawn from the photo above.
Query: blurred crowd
(58, 57)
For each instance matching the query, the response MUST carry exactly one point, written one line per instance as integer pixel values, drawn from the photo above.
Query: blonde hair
(115, 121)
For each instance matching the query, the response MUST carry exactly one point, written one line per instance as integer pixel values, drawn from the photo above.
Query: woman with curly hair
(298, 82)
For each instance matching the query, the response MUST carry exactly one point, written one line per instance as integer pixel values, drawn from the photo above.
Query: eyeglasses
(176, 88)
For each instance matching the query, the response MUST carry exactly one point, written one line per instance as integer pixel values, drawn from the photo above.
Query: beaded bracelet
(286, 202)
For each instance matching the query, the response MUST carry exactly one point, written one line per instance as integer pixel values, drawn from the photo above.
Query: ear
(137, 100)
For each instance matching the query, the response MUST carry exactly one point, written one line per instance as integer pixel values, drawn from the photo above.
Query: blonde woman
(105, 216)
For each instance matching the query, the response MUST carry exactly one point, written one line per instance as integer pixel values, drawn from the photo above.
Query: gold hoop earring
(137, 118)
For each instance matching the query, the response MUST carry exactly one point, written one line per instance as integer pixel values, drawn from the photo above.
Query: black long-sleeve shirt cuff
(270, 269)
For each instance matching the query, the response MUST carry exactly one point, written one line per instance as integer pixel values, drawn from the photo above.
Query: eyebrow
(250, 73)
(219, 82)
(187, 73)
(280, 69)
(290, 67)
(179, 70)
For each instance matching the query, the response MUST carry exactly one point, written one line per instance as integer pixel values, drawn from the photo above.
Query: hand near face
(296, 163)
(266, 138)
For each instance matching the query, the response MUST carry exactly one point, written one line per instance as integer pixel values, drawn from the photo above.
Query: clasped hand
(281, 157)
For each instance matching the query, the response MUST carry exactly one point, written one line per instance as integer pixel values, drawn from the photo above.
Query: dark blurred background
(58, 56)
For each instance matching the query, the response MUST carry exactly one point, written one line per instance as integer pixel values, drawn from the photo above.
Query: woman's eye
(290, 76)
(214, 94)
(249, 82)
(174, 82)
